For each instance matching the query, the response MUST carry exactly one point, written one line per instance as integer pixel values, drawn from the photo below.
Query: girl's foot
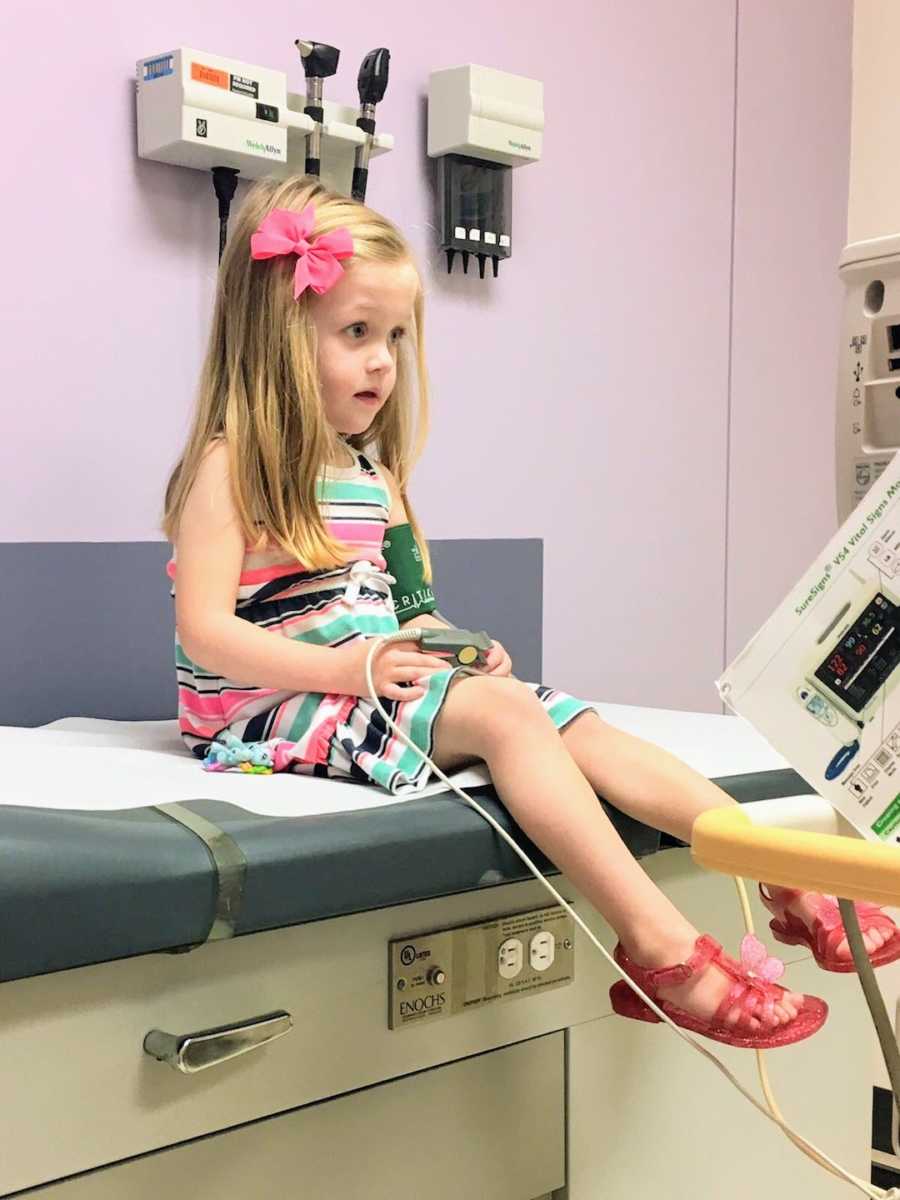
(702, 994)
(809, 918)
(710, 993)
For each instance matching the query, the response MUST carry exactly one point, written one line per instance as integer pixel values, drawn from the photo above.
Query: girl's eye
(357, 330)
(397, 334)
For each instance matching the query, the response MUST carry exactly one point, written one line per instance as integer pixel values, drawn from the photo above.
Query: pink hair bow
(286, 232)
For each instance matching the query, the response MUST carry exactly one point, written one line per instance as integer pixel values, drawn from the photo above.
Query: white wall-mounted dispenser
(481, 123)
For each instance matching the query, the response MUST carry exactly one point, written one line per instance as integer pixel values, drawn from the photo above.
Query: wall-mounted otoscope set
(233, 118)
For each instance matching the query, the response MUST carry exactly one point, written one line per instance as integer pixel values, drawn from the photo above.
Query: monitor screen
(861, 661)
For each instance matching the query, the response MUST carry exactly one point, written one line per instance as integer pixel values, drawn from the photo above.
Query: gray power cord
(872, 993)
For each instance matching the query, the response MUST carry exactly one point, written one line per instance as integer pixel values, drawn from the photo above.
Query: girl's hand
(497, 661)
(395, 665)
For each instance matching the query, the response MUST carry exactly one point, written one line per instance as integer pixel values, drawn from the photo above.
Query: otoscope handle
(371, 84)
(372, 80)
(358, 186)
(319, 62)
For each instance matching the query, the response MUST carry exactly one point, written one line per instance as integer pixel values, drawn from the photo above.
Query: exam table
(197, 999)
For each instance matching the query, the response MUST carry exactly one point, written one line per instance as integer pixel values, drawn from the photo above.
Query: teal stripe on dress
(369, 624)
(381, 772)
(340, 489)
(303, 718)
(563, 710)
(181, 659)
(423, 719)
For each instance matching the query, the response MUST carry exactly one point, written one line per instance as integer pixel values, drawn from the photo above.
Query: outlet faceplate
(448, 971)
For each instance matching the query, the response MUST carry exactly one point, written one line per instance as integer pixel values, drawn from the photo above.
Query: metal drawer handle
(192, 1052)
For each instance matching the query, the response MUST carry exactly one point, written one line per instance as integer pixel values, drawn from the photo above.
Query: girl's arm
(427, 620)
(210, 551)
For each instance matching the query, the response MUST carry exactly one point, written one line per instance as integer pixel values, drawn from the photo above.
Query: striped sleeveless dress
(328, 735)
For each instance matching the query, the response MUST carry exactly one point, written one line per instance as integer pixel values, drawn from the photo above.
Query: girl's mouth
(367, 397)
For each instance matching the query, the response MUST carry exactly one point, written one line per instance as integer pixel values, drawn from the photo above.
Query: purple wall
(792, 182)
(596, 370)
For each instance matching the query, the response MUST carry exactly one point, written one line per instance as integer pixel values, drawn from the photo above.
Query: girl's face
(359, 325)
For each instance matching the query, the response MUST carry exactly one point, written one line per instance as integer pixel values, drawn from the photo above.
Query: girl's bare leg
(653, 786)
(503, 722)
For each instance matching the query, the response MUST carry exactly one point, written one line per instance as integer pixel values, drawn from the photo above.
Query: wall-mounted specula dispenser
(481, 123)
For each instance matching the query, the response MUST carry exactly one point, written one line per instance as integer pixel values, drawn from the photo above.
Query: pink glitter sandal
(827, 931)
(753, 991)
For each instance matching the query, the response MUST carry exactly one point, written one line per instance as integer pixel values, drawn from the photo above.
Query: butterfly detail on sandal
(756, 961)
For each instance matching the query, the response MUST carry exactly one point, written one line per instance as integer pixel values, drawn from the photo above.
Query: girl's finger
(428, 666)
(423, 660)
(412, 673)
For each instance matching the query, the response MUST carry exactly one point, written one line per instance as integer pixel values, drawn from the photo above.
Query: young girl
(296, 467)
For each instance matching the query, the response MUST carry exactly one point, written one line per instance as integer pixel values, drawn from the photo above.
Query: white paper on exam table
(80, 763)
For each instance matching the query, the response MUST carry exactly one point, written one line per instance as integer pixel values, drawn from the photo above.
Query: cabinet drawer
(80, 1092)
(488, 1127)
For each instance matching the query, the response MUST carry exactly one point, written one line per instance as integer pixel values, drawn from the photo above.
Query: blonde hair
(259, 387)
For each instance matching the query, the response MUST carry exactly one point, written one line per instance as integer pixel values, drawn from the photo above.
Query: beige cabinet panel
(490, 1127)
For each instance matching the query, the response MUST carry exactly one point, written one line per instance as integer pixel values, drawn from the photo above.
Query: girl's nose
(380, 359)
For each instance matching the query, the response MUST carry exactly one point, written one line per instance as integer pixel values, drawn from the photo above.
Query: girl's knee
(498, 689)
(588, 724)
(500, 706)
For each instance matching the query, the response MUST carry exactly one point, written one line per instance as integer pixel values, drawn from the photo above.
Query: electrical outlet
(445, 972)
(510, 958)
(542, 951)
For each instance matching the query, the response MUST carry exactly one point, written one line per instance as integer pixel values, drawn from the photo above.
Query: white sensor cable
(415, 634)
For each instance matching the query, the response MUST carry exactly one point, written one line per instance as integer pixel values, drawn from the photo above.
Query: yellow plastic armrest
(725, 839)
